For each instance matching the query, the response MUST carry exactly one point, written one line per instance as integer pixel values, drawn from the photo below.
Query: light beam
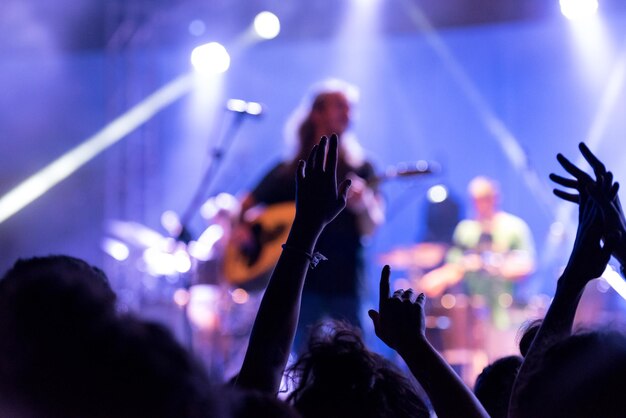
(51, 175)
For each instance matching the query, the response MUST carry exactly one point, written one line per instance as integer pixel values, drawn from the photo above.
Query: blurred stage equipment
(156, 254)
(422, 256)
(181, 285)
(240, 109)
(159, 255)
(408, 169)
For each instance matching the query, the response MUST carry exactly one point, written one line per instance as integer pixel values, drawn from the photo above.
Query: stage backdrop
(497, 100)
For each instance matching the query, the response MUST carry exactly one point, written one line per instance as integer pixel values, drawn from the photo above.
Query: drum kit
(162, 270)
(180, 283)
(185, 277)
(457, 323)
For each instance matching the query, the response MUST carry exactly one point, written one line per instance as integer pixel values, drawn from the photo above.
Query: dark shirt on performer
(340, 242)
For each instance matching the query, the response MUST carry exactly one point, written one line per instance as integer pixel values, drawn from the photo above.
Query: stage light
(267, 25)
(578, 9)
(437, 194)
(448, 301)
(443, 322)
(616, 281)
(240, 296)
(116, 249)
(197, 27)
(182, 261)
(557, 229)
(211, 58)
(241, 106)
(236, 105)
(181, 297)
(203, 248)
(159, 263)
(204, 302)
(254, 108)
(171, 222)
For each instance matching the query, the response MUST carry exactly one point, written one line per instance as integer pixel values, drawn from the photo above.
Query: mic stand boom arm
(216, 158)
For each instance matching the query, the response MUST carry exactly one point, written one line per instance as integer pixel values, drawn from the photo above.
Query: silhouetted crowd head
(338, 376)
(494, 385)
(64, 350)
(579, 376)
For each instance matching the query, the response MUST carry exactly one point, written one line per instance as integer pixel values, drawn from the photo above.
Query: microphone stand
(217, 154)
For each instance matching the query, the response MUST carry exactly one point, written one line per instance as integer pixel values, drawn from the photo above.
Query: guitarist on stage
(490, 252)
(332, 288)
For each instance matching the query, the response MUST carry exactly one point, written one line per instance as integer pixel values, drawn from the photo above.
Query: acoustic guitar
(251, 263)
(256, 259)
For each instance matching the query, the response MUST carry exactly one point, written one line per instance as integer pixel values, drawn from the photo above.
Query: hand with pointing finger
(399, 321)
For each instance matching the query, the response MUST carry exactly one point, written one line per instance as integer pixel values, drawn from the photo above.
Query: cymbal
(424, 255)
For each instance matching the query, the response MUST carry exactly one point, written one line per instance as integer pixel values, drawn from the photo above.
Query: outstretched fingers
(310, 162)
(565, 182)
(300, 171)
(409, 296)
(384, 292)
(383, 295)
(570, 197)
(331, 157)
(421, 300)
(343, 191)
(321, 154)
(608, 187)
(598, 167)
(614, 190)
(580, 175)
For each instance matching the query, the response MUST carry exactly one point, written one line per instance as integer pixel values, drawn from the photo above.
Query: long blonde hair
(300, 129)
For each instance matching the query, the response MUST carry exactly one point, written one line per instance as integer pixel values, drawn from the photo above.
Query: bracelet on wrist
(314, 258)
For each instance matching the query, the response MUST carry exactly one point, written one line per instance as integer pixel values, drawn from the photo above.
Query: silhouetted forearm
(556, 325)
(450, 397)
(277, 319)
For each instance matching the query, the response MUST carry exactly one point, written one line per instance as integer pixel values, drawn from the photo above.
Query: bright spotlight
(254, 108)
(116, 249)
(182, 261)
(211, 58)
(437, 194)
(267, 25)
(578, 9)
(236, 105)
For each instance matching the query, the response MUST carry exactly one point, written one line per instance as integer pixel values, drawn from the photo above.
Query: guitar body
(251, 263)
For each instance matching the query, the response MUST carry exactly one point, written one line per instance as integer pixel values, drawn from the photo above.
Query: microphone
(245, 108)
(416, 168)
